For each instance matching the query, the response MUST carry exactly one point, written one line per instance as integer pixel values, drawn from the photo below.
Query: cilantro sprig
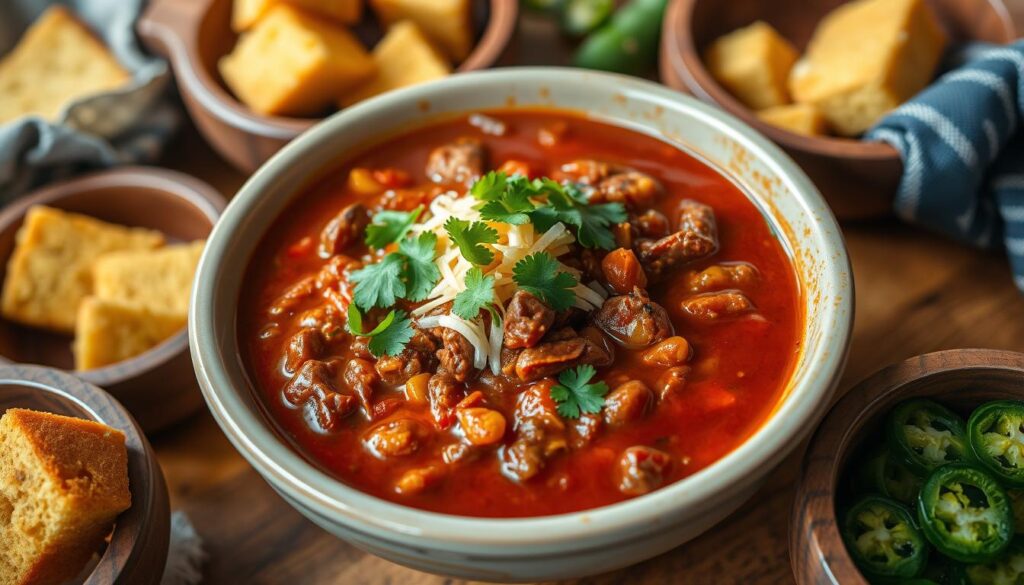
(575, 394)
(479, 294)
(388, 337)
(390, 226)
(409, 273)
(470, 237)
(539, 275)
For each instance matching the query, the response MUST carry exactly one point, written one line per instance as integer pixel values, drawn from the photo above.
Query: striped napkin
(962, 144)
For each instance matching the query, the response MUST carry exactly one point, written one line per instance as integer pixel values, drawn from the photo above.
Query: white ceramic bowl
(551, 547)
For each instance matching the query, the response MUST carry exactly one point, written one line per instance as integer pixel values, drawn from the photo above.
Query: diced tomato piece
(476, 397)
(516, 167)
(392, 178)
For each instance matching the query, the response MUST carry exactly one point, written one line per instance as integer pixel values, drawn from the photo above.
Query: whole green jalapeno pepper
(924, 435)
(965, 514)
(995, 433)
(883, 539)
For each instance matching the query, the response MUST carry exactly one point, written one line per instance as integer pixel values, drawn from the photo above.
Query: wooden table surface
(916, 293)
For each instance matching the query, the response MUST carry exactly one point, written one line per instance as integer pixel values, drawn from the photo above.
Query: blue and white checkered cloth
(962, 144)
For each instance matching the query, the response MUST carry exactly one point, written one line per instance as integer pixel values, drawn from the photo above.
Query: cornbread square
(403, 57)
(63, 482)
(159, 280)
(865, 58)
(109, 332)
(50, 271)
(753, 63)
(245, 13)
(57, 61)
(294, 64)
(446, 22)
(800, 118)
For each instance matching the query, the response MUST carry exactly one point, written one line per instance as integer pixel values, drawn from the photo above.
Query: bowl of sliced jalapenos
(917, 476)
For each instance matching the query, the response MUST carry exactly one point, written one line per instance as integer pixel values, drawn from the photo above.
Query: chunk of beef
(600, 351)
(622, 271)
(652, 224)
(538, 438)
(697, 237)
(457, 163)
(673, 351)
(396, 438)
(585, 429)
(698, 218)
(672, 381)
(717, 305)
(417, 357)
(627, 402)
(361, 378)
(295, 294)
(344, 229)
(455, 355)
(314, 387)
(642, 469)
(633, 189)
(527, 320)
(444, 394)
(586, 171)
(560, 350)
(634, 320)
(306, 344)
(326, 319)
(722, 276)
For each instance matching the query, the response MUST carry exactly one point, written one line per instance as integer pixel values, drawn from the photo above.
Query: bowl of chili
(944, 423)
(612, 384)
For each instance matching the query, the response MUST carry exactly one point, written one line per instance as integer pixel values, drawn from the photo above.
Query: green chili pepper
(1016, 496)
(1006, 570)
(887, 476)
(924, 435)
(995, 432)
(579, 17)
(628, 43)
(945, 571)
(883, 540)
(965, 513)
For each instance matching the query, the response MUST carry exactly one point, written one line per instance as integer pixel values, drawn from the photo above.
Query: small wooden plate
(159, 386)
(961, 379)
(138, 547)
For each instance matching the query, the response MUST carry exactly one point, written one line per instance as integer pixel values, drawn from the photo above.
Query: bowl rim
(276, 460)
(220, 102)
(685, 60)
(818, 538)
(190, 190)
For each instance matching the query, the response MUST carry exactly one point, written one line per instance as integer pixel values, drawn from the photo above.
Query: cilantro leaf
(355, 322)
(479, 294)
(390, 226)
(539, 275)
(388, 337)
(380, 284)
(505, 199)
(594, 223)
(420, 272)
(490, 186)
(575, 394)
(470, 237)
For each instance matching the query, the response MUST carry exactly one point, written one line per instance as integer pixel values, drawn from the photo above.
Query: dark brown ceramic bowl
(961, 379)
(159, 386)
(857, 178)
(195, 34)
(137, 551)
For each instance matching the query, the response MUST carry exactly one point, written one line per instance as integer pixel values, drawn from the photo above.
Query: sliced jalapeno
(924, 435)
(1016, 496)
(887, 476)
(579, 17)
(945, 571)
(995, 432)
(883, 540)
(1006, 570)
(965, 513)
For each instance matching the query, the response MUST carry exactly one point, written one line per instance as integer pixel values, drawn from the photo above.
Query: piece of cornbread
(63, 482)
(57, 61)
(294, 64)
(109, 332)
(50, 271)
(446, 22)
(799, 118)
(866, 58)
(245, 13)
(159, 280)
(403, 57)
(753, 63)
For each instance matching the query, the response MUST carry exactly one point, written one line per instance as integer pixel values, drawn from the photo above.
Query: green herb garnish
(379, 284)
(470, 237)
(390, 226)
(421, 274)
(575, 394)
(539, 275)
(479, 294)
(388, 337)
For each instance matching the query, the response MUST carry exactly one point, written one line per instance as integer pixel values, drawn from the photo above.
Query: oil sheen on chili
(679, 336)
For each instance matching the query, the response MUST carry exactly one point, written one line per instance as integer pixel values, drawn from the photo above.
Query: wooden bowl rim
(141, 536)
(188, 189)
(684, 58)
(223, 105)
(832, 439)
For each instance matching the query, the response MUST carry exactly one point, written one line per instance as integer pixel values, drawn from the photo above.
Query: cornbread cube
(159, 280)
(57, 61)
(753, 63)
(63, 482)
(294, 64)
(799, 118)
(403, 57)
(446, 22)
(109, 332)
(245, 13)
(50, 271)
(865, 58)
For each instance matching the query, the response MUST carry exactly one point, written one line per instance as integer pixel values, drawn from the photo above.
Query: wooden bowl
(159, 386)
(195, 34)
(859, 179)
(138, 547)
(961, 379)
